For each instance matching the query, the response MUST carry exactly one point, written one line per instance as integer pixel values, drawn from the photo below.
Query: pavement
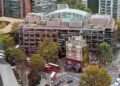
(1, 82)
(7, 77)
(114, 68)
(62, 79)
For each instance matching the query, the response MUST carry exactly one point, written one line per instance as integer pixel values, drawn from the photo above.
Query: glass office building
(12, 8)
(110, 7)
(15, 8)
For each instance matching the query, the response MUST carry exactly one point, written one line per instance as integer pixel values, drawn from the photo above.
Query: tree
(16, 54)
(49, 50)
(38, 64)
(76, 4)
(85, 55)
(38, 61)
(105, 53)
(17, 57)
(7, 40)
(95, 76)
(118, 30)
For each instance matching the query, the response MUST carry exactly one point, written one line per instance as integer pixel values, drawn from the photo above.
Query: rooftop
(11, 21)
(69, 10)
(99, 21)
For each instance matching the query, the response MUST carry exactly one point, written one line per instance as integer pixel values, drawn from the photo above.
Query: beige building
(10, 24)
(74, 47)
(74, 52)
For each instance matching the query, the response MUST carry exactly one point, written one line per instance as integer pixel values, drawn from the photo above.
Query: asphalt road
(67, 79)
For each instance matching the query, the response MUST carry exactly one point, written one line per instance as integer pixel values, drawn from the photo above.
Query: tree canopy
(15, 53)
(86, 55)
(95, 76)
(118, 30)
(49, 50)
(7, 40)
(76, 4)
(105, 53)
(38, 61)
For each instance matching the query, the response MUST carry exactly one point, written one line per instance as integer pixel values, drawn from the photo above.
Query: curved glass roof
(69, 10)
(69, 14)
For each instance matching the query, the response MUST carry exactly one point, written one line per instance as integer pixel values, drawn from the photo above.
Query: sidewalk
(43, 82)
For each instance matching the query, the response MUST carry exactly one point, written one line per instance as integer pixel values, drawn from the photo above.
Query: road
(7, 76)
(67, 79)
(114, 68)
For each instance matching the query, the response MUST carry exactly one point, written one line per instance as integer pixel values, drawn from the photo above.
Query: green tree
(49, 50)
(86, 55)
(105, 53)
(37, 61)
(118, 30)
(7, 40)
(15, 53)
(95, 76)
(76, 4)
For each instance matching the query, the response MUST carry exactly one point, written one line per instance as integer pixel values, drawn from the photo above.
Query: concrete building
(99, 28)
(74, 47)
(10, 24)
(110, 7)
(45, 6)
(74, 51)
(1, 7)
(93, 5)
(85, 2)
(95, 29)
(15, 8)
(35, 30)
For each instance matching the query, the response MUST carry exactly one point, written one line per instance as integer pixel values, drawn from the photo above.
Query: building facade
(74, 52)
(74, 47)
(99, 28)
(34, 31)
(93, 5)
(15, 8)
(110, 7)
(45, 6)
(85, 2)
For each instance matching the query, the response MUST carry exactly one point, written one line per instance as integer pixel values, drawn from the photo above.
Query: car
(117, 82)
(51, 67)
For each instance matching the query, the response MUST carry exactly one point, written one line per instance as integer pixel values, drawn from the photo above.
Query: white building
(110, 7)
(85, 2)
(44, 5)
(74, 48)
(74, 52)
